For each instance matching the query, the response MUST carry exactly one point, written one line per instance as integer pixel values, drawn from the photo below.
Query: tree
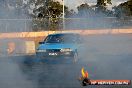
(109, 2)
(102, 7)
(69, 13)
(87, 11)
(48, 15)
(124, 9)
(103, 2)
(84, 10)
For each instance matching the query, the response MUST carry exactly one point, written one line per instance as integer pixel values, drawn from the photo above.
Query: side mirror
(41, 42)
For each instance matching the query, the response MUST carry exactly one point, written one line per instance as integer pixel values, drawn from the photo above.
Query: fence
(29, 25)
(15, 25)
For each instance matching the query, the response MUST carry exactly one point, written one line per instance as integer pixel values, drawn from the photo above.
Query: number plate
(53, 54)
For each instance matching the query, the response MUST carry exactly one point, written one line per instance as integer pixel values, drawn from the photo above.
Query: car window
(62, 38)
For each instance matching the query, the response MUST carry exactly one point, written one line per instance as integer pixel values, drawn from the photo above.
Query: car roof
(65, 34)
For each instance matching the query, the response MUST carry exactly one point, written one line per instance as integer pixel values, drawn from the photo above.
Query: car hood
(57, 46)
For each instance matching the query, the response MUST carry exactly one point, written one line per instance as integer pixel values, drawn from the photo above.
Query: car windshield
(61, 38)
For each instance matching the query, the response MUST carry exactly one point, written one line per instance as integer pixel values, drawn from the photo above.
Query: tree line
(47, 14)
(53, 15)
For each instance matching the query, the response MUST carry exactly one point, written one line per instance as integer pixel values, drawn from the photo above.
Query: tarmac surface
(103, 56)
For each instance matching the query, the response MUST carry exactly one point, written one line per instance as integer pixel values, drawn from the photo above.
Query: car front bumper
(55, 57)
(54, 54)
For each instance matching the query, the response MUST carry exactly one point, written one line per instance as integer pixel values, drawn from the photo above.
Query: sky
(72, 4)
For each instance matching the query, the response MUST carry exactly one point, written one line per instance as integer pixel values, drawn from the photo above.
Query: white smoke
(11, 20)
(11, 76)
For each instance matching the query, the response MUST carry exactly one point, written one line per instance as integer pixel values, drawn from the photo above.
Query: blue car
(59, 46)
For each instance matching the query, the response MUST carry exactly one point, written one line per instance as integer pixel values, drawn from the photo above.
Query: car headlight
(65, 50)
(41, 50)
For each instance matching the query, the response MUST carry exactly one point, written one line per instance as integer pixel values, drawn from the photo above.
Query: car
(59, 45)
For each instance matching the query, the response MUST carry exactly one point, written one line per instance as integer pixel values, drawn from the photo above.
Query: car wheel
(75, 57)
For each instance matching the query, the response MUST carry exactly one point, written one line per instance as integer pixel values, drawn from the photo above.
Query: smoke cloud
(12, 20)
(11, 75)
